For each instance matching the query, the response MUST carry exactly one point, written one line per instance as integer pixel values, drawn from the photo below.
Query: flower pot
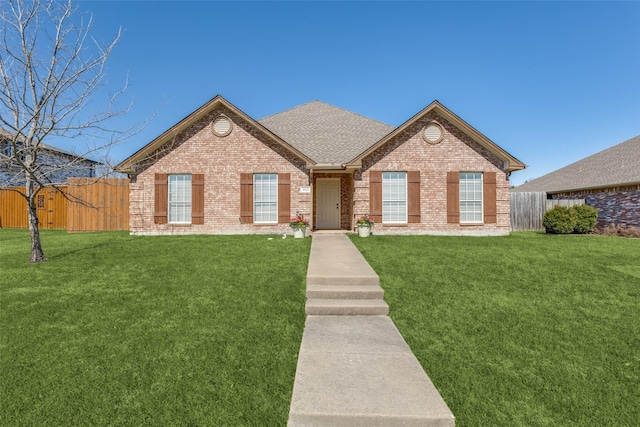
(364, 231)
(298, 232)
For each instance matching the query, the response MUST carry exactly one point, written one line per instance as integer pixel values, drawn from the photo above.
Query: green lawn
(524, 330)
(173, 330)
(204, 330)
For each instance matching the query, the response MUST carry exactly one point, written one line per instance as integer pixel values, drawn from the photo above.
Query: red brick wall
(246, 149)
(456, 152)
(221, 160)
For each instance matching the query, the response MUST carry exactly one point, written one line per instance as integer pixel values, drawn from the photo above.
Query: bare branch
(51, 72)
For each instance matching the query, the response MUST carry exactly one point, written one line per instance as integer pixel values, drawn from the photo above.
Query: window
(265, 198)
(6, 148)
(394, 197)
(471, 197)
(180, 199)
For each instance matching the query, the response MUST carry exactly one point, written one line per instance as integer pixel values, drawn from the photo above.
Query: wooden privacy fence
(83, 205)
(97, 206)
(51, 208)
(527, 209)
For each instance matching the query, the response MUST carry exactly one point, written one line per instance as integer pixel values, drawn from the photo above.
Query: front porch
(332, 200)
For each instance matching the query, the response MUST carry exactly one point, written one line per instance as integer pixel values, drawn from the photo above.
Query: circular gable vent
(432, 133)
(222, 126)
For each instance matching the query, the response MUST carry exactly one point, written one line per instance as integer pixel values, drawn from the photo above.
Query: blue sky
(550, 82)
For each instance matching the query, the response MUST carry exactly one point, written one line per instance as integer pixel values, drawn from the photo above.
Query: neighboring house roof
(320, 134)
(615, 166)
(327, 134)
(8, 136)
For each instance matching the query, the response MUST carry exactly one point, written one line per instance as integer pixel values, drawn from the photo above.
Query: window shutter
(197, 198)
(375, 196)
(453, 197)
(161, 199)
(284, 198)
(246, 198)
(413, 196)
(489, 192)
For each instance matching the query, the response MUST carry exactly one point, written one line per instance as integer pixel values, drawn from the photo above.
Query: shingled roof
(615, 166)
(324, 136)
(327, 134)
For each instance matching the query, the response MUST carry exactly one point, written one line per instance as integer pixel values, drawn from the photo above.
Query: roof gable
(317, 133)
(156, 148)
(615, 166)
(510, 163)
(327, 134)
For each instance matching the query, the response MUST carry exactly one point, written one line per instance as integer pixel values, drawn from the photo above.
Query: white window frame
(387, 200)
(263, 202)
(471, 199)
(179, 198)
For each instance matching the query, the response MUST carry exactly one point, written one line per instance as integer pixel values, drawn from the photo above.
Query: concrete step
(345, 292)
(351, 278)
(346, 307)
(335, 261)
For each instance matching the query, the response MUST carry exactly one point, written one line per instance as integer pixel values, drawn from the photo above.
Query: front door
(328, 203)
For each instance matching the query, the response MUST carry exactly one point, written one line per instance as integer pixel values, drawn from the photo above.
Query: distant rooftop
(615, 166)
(6, 136)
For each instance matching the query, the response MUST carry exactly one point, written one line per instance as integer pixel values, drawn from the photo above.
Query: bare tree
(51, 72)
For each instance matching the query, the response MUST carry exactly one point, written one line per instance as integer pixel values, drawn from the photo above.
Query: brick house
(220, 171)
(608, 180)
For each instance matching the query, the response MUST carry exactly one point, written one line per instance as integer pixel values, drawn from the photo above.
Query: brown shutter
(197, 198)
(375, 196)
(453, 197)
(489, 192)
(413, 196)
(284, 198)
(160, 199)
(246, 198)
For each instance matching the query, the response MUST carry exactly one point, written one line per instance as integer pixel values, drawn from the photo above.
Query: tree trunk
(37, 255)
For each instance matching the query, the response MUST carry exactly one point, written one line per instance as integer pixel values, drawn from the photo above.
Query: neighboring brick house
(608, 180)
(220, 171)
(55, 165)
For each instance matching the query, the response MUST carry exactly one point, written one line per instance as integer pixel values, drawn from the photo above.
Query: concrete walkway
(354, 367)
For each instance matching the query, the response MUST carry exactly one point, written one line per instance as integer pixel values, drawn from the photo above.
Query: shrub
(560, 220)
(586, 218)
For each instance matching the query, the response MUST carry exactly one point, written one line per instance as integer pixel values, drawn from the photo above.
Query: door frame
(317, 208)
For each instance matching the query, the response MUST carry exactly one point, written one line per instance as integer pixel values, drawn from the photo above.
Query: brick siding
(456, 152)
(614, 207)
(221, 160)
(247, 149)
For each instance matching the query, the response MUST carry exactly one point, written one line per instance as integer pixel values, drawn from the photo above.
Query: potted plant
(364, 224)
(299, 225)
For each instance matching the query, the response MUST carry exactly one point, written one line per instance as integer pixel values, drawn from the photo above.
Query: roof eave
(594, 187)
(328, 166)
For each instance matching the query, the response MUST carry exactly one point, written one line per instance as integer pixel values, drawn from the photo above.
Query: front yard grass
(524, 330)
(171, 330)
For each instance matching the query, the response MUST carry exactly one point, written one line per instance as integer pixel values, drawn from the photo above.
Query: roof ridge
(330, 105)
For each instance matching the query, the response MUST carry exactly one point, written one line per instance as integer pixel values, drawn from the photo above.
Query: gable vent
(432, 133)
(222, 126)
